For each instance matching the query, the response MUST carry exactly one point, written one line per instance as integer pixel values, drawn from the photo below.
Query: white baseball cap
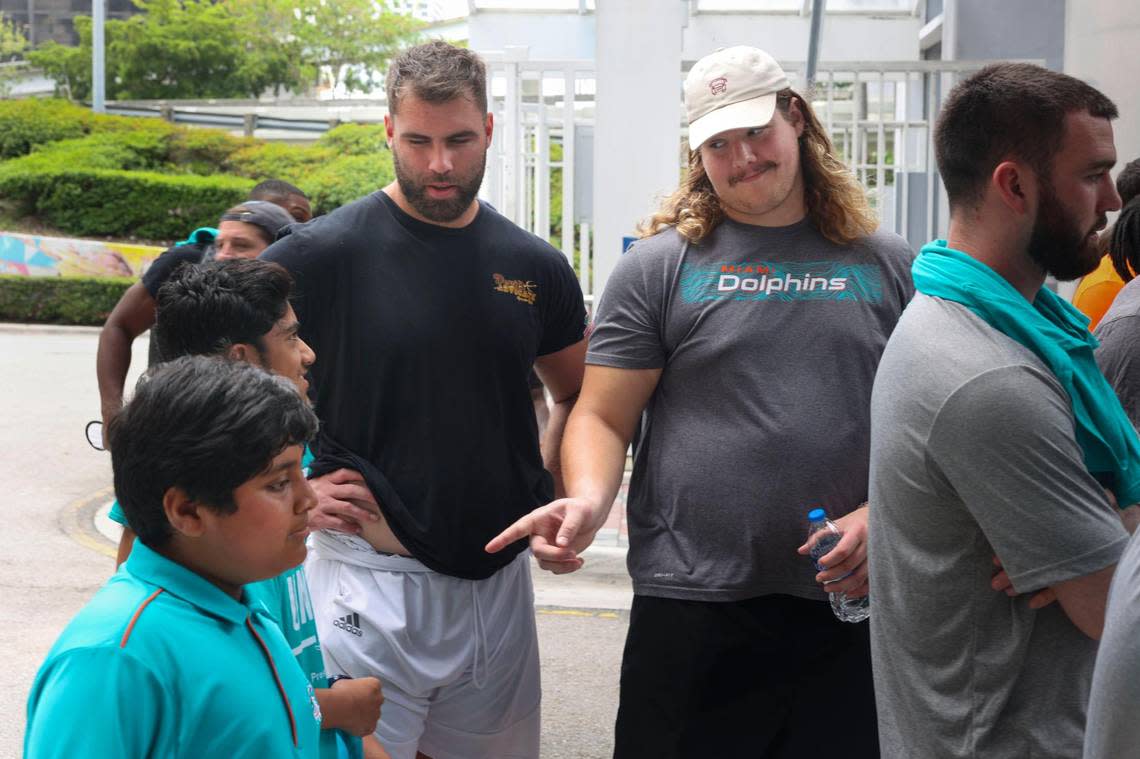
(733, 88)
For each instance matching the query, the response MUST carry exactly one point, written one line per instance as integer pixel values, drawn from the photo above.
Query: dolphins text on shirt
(780, 281)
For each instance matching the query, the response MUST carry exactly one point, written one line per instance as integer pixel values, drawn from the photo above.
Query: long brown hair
(836, 202)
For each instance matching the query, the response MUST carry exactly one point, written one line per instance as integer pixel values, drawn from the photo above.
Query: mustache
(760, 168)
(1100, 224)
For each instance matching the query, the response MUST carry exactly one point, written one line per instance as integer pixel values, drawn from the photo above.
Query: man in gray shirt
(747, 324)
(978, 455)
(1113, 730)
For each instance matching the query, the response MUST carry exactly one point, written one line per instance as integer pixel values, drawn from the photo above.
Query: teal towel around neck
(1058, 334)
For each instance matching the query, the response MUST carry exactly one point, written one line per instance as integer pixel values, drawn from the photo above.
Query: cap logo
(718, 86)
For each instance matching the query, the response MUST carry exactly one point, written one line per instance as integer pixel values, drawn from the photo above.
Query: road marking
(77, 520)
(596, 613)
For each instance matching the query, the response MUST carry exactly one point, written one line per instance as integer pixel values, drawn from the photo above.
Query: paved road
(53, 558)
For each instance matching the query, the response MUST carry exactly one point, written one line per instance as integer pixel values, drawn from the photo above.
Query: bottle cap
(817, 515)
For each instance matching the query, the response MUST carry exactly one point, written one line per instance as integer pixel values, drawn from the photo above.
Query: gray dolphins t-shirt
(768, 339)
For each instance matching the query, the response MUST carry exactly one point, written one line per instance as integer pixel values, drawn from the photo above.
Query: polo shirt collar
(150, 566)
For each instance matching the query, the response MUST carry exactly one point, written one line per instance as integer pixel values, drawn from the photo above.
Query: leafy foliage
(86, 201)
(175, 49)
(355, 139)
(348, 178)
(60, 300)
(88, 174)
(239, 48)
(27, 123)
(12, 44)
(348, 41)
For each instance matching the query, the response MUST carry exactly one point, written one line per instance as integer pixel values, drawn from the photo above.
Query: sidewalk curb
(18, 328)
(77, 521)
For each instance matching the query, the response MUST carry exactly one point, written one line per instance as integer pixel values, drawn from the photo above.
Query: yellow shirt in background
(1097, 290)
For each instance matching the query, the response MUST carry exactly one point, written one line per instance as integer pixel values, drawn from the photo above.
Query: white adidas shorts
(457, 659)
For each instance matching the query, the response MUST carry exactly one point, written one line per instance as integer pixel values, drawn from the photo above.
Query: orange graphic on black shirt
(522, 290)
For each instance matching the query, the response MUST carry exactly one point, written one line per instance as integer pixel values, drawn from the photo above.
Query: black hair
(1007, 110)
(1124, 245)
(204, 309)
(1128, 181)
(275, 188)
(204, 425)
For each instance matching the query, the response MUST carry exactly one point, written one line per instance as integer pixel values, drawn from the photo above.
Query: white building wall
(1102, 38)
(846, 37)
(549, 35)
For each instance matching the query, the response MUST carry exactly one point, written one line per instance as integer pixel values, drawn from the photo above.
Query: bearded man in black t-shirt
(429, 309)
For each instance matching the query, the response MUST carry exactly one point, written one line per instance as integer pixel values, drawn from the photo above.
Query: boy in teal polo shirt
(171, 658)
(240, 309)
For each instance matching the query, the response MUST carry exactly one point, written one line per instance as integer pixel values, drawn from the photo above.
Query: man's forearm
(112, 362)
(552, 442)
(593, 460)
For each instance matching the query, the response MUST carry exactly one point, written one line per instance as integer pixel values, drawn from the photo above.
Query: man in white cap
(747, 322)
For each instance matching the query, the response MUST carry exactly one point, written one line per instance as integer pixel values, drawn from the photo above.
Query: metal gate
(879, 116)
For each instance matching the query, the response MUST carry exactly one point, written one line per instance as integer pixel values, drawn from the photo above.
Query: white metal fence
(880, 116)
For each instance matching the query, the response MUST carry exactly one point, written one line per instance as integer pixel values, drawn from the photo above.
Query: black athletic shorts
(774, 677)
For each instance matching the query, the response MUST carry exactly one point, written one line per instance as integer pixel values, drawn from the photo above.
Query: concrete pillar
(638, 117)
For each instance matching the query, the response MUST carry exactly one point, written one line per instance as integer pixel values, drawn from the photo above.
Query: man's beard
(445, 209)
(1058, 245)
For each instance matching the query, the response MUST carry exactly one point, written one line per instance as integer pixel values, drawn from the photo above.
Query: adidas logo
(349, 623)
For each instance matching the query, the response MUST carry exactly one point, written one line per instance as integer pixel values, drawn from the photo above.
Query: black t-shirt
(166, 264)
(160, 270)
(425, 337)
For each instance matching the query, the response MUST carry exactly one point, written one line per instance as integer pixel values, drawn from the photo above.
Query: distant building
(424, 10)
(43, 20)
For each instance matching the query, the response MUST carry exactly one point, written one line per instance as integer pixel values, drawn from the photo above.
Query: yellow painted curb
(77, 520)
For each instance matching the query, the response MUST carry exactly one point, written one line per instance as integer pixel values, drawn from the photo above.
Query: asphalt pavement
(58, 548)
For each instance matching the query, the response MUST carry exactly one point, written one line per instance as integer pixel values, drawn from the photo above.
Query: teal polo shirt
(163, 663)
(286, 598)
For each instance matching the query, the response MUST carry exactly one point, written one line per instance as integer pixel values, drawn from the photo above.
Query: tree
(349, 42)
(12, 43)
(236, 48)
(176, 49)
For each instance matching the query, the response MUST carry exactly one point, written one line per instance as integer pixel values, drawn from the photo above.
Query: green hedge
(346, 179)
(27, 123)
(92, 202)
(60, 300)
(88, 174)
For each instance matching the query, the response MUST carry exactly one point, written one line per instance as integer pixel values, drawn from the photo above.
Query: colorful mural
(36, 256)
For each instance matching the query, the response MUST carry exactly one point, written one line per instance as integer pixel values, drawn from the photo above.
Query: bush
(60, 300)
(355, 139)
(346, 179)
(203, 151)
(136, 150)
(25, 124)
(275, 160)
(123, 203)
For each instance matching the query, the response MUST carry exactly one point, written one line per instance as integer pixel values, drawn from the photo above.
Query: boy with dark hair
(239, 309)
(243, 232)
(171, 657)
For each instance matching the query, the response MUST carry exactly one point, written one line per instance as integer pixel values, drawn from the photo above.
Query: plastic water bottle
(846, 609)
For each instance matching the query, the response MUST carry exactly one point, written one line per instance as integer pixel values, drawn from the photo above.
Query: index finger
(517, 531)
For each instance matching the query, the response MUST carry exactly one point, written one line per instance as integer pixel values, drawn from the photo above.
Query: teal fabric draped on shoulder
(1058, 334)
